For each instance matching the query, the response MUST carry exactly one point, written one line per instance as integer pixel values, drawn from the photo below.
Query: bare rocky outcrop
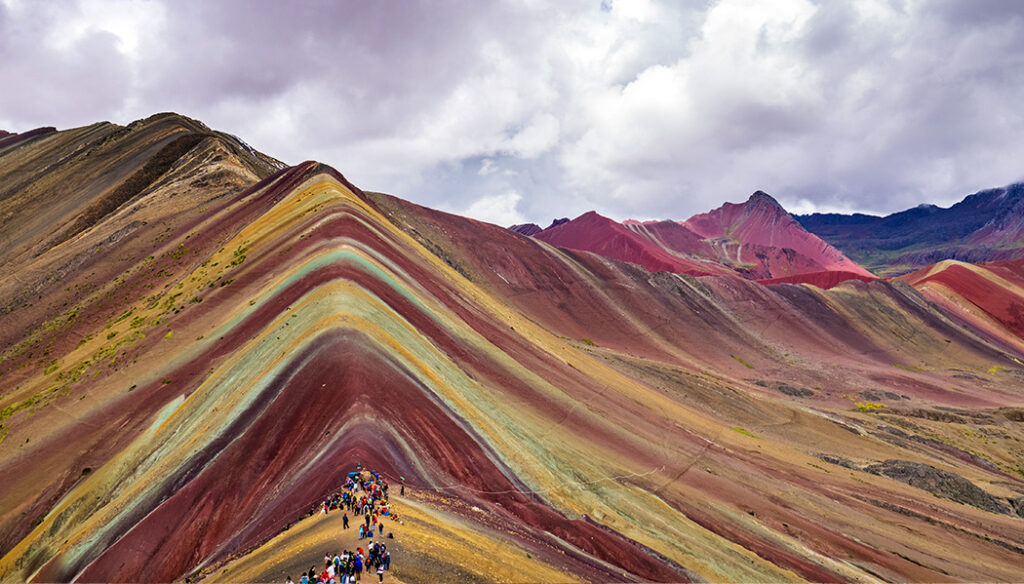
(939, 482)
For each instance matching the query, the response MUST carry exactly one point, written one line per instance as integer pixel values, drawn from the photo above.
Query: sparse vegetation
(912, 369)
(866, 406)
(745, 432)
(742, 362)
(239, 255)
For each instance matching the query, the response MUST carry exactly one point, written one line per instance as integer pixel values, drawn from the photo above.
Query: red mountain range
(757, 239)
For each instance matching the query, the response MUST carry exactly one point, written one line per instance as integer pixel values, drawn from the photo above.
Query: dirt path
(431, 544)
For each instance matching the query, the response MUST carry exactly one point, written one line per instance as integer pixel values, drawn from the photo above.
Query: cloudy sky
(527, 110)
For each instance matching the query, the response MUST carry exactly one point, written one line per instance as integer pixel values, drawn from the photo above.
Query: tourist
(369, 498)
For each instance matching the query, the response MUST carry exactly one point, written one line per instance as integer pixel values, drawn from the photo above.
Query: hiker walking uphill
(364, 493)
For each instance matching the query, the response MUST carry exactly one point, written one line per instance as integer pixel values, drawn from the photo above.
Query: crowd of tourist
(365, 495)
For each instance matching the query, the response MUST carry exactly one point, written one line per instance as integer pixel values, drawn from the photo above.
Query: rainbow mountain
(200, 342)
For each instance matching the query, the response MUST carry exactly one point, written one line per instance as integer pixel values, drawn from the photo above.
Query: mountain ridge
(984, 226)
(188, 375)
(757, 239)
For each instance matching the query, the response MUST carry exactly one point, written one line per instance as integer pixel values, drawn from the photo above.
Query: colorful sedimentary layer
(824, 279)
(193, 368)
(987, 297)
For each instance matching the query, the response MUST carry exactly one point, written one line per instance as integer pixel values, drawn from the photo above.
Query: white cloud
(640, 10)
(539, 136)
(639, 108)
(130, 21)
(487, 167)
(499, 209)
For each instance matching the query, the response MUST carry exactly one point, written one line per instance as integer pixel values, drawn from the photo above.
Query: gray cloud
(44, 83)
(527, 110)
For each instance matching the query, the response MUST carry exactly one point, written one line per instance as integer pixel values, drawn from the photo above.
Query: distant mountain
(609, 238)
(762, 222)
(756, 239)
(526, 228)
(985, 226)
(9, 139)
(534, 229)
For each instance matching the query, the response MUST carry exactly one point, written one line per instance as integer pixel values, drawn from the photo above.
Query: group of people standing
(364, 493)
(349, 565)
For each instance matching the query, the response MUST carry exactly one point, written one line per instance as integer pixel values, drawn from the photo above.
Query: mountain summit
(761, 221)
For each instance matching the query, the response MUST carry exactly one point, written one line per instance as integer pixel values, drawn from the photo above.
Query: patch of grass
(996, 369)
(589, 342)
(912, 369)
(169, 334)
(179, 252)
(15, 408)
(745, 432)
(123, 316)
(239, 255)
(170, 301)
(741, 361)
(866, 406)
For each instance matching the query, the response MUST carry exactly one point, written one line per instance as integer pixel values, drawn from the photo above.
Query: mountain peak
(763, 197)
(763, 221)
(525, 228)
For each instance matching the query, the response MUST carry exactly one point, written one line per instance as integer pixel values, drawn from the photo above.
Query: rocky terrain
(199, 342)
